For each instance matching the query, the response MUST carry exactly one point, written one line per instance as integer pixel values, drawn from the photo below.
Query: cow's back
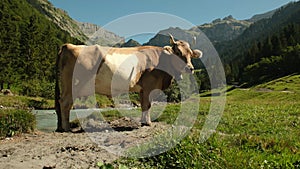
(122, 68)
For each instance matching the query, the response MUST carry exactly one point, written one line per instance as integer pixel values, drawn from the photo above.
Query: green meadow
(259, 128)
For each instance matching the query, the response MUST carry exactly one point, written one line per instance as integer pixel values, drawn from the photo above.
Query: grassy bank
(24, 102)
(14, 122)
(16, 116)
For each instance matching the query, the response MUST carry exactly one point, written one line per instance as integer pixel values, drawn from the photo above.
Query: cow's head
(184, 52)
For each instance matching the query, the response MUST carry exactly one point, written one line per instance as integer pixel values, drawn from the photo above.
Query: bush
(35, 88)
(14, 122)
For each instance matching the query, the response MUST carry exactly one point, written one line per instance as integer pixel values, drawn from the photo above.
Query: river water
(47, 119)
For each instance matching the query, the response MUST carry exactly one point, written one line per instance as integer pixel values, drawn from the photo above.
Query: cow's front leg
(145, 104)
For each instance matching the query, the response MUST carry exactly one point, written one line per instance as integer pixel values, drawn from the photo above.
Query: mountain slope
(258, 17)
(29, 44)
(223, 29)
(268, 49)
(219, 30)
(59, 17)
(85, 32)
(259, 30)
(98, 35)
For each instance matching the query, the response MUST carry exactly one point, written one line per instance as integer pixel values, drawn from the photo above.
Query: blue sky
(196, 12)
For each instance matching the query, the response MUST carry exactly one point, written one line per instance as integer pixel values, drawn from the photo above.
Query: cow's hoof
(60, 130)
(77, 130)
(146, 124)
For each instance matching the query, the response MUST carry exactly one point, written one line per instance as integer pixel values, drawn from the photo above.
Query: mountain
(98, 35)
(85, 32)
(258, 17)
(219, 30)
(259, 30)
(59, 17)
(162, 37)
(268, 49)
(130, 43)
(224, 29)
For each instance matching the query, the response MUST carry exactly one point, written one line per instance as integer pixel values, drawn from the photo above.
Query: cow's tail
(57, 90)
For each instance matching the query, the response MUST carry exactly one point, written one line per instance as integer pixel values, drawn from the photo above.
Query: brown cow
(85, 70)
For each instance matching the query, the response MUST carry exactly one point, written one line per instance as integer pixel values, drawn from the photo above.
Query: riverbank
(70, 150)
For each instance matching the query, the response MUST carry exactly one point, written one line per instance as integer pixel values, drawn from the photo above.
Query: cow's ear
(172, 41)
(168, 49)
(197, 53)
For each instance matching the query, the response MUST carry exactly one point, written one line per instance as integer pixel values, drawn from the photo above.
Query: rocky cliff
(85, 32)
(98, 35)
(224, 29)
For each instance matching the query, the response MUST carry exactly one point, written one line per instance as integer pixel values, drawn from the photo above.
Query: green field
(260, 128)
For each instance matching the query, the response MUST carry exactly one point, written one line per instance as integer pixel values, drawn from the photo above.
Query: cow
(83, 70)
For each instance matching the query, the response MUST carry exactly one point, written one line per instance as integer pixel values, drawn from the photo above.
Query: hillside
(268, 49)
(85, 32)
(258, 17)
(59, 17)
(29, 43)
(259, 30)
(224, 29)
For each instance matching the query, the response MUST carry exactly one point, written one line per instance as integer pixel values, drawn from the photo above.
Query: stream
(47, 119)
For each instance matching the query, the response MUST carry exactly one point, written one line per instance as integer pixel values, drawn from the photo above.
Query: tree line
(29, 44)
(275, 56)
(268, 49)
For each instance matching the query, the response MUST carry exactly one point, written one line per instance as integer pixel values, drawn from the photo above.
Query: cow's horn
(194, 40)
(172, 41)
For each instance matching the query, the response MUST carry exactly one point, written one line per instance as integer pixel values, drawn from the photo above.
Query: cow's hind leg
(66, 105)
(145, 104)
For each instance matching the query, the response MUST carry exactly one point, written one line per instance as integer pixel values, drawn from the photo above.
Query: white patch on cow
(117, 74)
(76, 82)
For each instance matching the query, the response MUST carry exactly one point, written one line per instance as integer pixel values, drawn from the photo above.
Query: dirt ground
(71, 150)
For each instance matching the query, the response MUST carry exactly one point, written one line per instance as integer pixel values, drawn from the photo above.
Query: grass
(258, 129)
(14, 122)
(24, 102)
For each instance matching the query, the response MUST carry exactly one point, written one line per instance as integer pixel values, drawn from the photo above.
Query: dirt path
(69, 150)
(60, 150)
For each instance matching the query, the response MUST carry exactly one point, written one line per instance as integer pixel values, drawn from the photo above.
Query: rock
(49, 167)
(7, 92)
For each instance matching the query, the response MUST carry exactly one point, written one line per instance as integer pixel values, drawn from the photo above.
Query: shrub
(35, 88)
(14, 122)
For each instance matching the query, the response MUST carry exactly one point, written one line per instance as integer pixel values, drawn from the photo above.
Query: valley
(259, 127)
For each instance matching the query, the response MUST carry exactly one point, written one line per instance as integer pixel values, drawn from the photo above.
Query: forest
(29, 43)
(268, 49)
(275, 56)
